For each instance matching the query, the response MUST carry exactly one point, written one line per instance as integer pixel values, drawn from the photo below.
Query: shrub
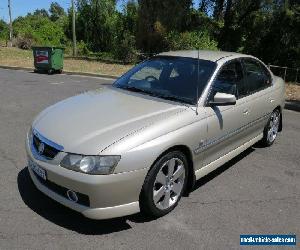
(41, 29)
(82, 49)
(125, 49)
(190, 40)
(24, 42)
(4, 33)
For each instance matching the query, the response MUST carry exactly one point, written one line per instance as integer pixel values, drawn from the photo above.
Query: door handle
(271, 100)
(246, 112)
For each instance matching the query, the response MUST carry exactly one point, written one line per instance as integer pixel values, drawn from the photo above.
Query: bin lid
(47, 47)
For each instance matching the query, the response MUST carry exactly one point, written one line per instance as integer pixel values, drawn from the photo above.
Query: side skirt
(225, 158)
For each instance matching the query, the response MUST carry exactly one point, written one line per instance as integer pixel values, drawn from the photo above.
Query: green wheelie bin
(50, 59)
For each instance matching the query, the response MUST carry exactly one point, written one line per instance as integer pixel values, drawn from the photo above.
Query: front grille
(48, 152)
(82, 198)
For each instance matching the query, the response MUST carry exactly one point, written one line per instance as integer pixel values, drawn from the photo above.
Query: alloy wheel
(168, 183)
(273, 126)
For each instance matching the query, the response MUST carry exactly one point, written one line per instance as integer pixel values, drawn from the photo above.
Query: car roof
(209, 55)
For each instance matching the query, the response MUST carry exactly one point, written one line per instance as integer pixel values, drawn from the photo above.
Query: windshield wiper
(131, 88)
(135, 89)
(175, 98)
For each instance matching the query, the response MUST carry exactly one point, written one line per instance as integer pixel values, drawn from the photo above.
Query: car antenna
(198, 79)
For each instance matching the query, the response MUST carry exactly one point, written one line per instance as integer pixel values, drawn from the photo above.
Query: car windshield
(172, 78)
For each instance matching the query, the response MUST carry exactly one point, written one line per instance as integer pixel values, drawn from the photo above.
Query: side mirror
(223, 99)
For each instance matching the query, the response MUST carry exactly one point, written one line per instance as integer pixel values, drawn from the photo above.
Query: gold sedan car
(139, 144)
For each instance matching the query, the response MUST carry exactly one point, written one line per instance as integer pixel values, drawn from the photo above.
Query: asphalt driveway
(258, 192)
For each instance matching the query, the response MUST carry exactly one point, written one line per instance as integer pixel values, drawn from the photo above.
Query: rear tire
(164, 184)
(271, 129)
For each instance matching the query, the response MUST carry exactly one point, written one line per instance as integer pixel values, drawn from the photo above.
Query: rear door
(257, 92)
(226, 125)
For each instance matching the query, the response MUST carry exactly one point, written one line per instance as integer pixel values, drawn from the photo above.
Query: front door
(226, 125)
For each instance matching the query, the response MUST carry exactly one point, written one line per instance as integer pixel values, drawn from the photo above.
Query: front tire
(164, 184)
(272, 128)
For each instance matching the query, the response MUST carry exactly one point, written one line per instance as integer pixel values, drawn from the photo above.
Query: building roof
(209, 55)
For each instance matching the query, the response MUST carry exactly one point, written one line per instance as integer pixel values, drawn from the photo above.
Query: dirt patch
(292, 92)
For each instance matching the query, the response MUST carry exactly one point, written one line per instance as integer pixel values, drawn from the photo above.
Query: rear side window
(229, 79)
(256, 77)
(268, 77)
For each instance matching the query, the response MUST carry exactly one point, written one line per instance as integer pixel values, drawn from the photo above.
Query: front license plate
(38, 170)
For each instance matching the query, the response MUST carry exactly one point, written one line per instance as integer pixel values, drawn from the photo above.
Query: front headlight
(100, 165)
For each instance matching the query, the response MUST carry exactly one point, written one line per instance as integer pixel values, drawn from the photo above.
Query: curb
(292, 105)
(64, 72)
(90, 74)
(16, 68)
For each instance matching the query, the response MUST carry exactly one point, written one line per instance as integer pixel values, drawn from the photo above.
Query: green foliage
(278, 41)
(123, 45)
(40, 29)
(96, 23)
(159, 16)
(3, 30)
(173, 15)
(56, 11)
(268, 29)
(40, 12)
(130, 17)
(82, 49)
(190, 40)
(125, 49)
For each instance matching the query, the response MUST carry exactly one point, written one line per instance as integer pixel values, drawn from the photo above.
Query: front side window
(256, 78)
(229, 80)
(176, 78)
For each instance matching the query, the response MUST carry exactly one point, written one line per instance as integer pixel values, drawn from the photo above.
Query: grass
(16, 57)
(24, 58)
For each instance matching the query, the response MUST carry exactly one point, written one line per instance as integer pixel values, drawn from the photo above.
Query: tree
(203, 6)
(56, 11)
(236, 13)
(96, 23)
(39, 30)
(41, 12)
(131, 16)
(4, 31)
(278, 36)
(268, 29)
(153, 21)
(219, 8)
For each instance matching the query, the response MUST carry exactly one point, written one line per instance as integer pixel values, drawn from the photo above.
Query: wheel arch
(188, 153)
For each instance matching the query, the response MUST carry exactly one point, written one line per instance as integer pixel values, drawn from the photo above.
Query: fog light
(72, 196)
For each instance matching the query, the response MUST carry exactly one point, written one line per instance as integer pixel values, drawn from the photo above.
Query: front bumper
(109, 196)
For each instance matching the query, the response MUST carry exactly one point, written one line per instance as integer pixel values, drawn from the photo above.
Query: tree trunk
(225, 33)
(218, 10)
